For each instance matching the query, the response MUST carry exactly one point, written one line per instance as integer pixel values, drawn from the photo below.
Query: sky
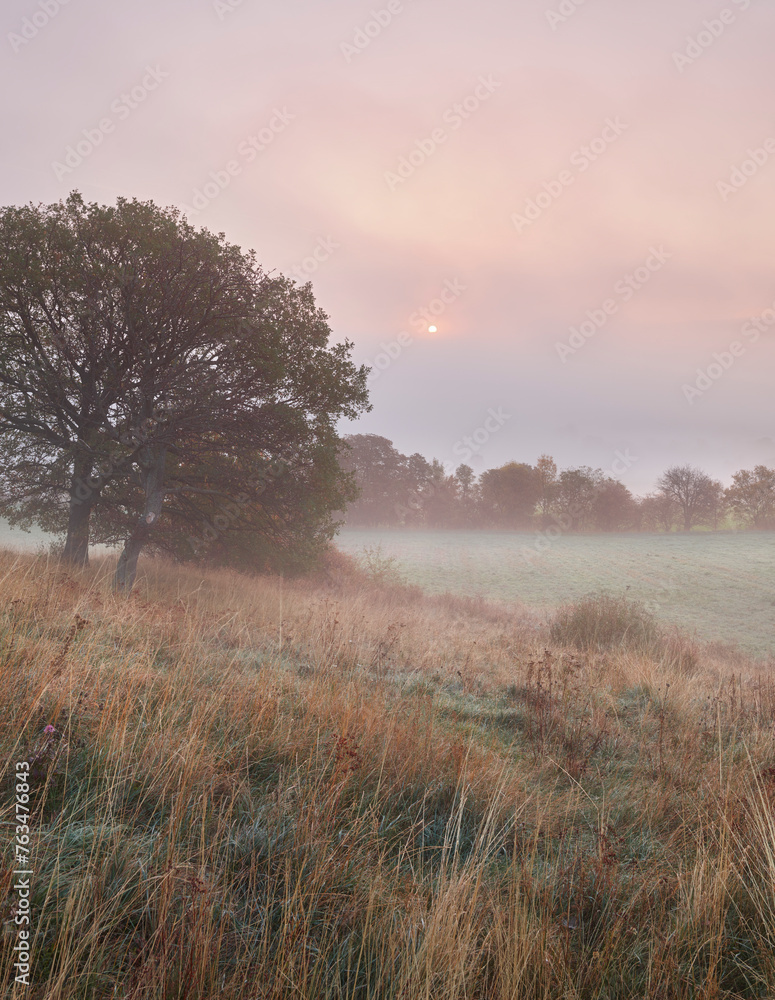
(577, 194)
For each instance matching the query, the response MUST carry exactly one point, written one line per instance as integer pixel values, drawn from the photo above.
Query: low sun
(432, 329)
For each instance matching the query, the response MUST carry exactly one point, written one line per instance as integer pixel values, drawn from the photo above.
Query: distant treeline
(407, 490)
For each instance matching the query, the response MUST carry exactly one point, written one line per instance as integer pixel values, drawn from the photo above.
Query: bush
(380, 568)
(602, 621)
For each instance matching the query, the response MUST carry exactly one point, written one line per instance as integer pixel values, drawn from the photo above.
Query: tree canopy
(152, 373)
(752, 496)
(696, 495)
(404, 491)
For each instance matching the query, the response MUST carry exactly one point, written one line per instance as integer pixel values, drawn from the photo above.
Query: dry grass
(328, 789)
(605, 621)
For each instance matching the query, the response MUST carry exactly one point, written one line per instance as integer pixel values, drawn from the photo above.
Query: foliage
(509, 494)
(699, 497)
(614, 508)
(658, 512)
(407, 491)
(752, 497)
(577, 491)
(391, 486)
(151, 371)
(546, 471)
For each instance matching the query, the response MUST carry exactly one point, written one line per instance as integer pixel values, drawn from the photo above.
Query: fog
(541, 159)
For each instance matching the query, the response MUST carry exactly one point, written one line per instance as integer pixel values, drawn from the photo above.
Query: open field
(36, 540)
(328, 791)
(25, 541)
(721, 586)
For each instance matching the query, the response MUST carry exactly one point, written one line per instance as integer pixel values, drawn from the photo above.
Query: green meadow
(717, 587)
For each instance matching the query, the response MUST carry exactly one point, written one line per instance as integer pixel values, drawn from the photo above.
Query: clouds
(232, 66)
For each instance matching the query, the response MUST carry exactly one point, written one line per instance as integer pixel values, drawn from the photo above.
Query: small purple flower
(49, 729)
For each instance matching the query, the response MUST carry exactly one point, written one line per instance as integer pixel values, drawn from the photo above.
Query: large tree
(546, 470)
(149, 367)
(658, 512)
(614, 507)
(510, 493)
(752, 496)
(59, 363)
(441, 503)
(468, 495)
(380, 473)
(575, 497)
(694, 492)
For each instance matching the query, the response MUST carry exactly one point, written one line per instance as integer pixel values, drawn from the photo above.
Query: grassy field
(329, 790)
(25, 541)
(721, 586)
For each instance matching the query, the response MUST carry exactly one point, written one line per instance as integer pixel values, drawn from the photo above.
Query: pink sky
(333, 121)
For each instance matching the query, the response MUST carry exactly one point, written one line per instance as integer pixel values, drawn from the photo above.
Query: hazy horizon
(515, 173)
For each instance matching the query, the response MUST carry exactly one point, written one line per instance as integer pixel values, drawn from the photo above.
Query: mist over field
(387, 500)
(715, 587)
(15, 538)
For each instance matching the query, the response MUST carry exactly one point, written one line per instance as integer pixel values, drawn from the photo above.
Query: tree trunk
(153, 484)
(126, 571)
(82, 498)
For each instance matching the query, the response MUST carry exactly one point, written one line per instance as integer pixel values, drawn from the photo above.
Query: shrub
(381, 568)
(603, 621)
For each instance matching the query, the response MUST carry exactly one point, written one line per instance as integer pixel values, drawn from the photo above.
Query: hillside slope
(324, 789)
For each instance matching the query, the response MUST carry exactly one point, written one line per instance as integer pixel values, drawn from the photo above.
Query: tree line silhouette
(399, 490)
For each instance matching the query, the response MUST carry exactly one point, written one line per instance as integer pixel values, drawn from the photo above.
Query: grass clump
(605, 621)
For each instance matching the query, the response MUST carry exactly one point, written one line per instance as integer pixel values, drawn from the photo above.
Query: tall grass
(329, 790)
(605, 621)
